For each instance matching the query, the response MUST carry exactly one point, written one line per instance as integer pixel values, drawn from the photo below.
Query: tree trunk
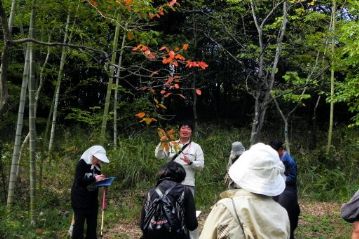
(58, 85)
(41, 81)
(12, 14)
(313, 132)
(118, 74)
(32, 129)
(332, 79)
(265, 86)
(110, 82)
(19, 126)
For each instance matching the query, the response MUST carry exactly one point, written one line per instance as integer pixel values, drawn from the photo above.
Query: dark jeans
(82, 215)
(289, 200)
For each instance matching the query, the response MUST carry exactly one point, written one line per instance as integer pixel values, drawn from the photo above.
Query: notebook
(105, 183)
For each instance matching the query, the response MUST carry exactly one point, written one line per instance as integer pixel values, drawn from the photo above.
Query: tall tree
(110, 81)
(32, 129)
(332, 77)
(58, 84)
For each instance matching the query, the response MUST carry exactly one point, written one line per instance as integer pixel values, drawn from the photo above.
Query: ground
(320, 220)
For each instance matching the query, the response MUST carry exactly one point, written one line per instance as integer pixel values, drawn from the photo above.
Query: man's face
(185, 131)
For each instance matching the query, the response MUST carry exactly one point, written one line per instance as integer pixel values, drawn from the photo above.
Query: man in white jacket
(183, 151)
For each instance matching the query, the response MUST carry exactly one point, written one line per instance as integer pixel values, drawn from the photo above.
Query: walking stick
(103, 209)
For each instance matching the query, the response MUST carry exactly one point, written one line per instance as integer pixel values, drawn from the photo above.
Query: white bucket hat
(259, 170)
(98, 151)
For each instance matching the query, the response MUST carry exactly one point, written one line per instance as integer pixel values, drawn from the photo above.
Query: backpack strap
(159, 192)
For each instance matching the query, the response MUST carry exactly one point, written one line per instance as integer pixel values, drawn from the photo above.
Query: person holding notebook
(84, 193)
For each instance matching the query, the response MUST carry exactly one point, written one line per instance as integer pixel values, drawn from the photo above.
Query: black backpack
(162, 217)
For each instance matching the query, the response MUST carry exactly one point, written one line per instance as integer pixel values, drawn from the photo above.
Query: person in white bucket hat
(84, 195)
(249, 211)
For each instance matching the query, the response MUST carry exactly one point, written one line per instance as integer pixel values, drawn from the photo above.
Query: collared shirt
(260, 216)
(193, 152)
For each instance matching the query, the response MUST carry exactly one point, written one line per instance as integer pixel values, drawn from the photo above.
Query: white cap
(98, 151)
(259, 170)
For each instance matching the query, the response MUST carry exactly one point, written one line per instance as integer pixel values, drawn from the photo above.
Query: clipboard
(105, 183)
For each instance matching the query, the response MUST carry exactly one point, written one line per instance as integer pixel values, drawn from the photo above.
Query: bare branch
(26, 40)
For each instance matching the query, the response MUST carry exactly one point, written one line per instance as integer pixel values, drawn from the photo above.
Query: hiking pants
(289, 200)
(90, 217)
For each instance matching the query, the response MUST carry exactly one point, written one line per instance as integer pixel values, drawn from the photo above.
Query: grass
(321, 179)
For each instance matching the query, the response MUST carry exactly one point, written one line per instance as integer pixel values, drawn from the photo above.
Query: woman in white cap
(84, 195)
(250, 212)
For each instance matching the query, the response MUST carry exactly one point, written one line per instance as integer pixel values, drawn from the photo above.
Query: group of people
(261, 200)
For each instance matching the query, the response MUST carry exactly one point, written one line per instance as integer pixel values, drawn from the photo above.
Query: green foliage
(90, 118)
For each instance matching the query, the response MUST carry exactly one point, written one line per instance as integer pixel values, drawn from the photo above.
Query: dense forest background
(77, 73)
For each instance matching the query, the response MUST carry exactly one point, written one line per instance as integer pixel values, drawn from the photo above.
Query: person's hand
(186, 160)
(99, 177)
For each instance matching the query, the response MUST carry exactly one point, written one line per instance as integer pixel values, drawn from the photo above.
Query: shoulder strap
(181, 150)
(234, 213)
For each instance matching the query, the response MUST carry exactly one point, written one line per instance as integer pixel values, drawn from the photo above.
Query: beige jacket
(261, 218)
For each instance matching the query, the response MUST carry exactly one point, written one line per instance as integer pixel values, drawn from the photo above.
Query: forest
(75, 73)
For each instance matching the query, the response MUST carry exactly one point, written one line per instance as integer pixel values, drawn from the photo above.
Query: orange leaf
(198, 92)
(185, 47)
(175, 63)
(179, 57)
(177, 86)
(202, 65)
(163, 92)
(166, 60)
(171, 54)
(171, 134)
(167, 94)
(148, 120)
(140, 115)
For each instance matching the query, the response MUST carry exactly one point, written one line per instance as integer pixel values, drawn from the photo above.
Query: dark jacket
(187, 203)
(84, 195)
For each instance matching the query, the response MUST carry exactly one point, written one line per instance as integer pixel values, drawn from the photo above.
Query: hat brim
(102, 157)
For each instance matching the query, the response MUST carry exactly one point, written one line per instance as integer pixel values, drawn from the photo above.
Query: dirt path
(317, 220)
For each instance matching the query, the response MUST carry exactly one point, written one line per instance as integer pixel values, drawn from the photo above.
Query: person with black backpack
(169, 210)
